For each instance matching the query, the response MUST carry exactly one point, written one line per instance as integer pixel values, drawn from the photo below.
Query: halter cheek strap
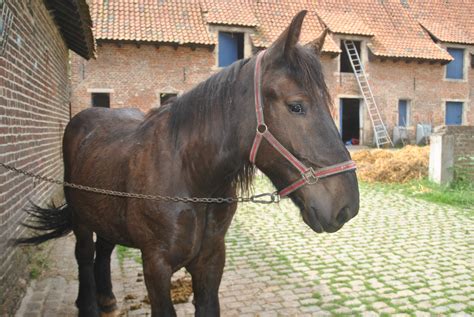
(308, 175)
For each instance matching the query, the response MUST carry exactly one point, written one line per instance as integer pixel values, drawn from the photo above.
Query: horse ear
(317, 44)
(286, 42)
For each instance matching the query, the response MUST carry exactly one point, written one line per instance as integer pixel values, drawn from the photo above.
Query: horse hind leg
(105, 296)
(86, 299)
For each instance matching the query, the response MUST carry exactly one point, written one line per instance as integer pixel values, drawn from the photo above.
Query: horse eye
(296, 108)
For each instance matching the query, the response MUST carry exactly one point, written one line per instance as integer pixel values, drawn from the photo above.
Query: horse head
(296, 107)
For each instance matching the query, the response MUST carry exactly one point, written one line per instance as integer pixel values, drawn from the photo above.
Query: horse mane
(205, 109)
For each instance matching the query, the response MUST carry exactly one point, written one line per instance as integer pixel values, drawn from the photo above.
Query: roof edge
(75, 24)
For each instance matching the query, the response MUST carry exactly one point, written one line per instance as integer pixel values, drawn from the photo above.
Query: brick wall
(137, 75)
(463, 151)
(34, 109)
(423, 84)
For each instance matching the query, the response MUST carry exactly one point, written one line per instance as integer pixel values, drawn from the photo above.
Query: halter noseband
(308, 175)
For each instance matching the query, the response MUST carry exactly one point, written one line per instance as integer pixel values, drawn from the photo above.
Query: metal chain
(265, 198)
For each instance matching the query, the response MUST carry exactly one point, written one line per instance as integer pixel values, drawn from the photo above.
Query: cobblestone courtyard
(399, 256)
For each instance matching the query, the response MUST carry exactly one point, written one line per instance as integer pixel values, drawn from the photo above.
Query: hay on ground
(392, 166)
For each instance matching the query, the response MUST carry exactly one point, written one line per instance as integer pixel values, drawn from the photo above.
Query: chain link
(266, 198)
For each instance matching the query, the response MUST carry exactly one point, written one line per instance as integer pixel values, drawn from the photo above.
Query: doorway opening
(345, 64)
(350, 120)
(100, 99)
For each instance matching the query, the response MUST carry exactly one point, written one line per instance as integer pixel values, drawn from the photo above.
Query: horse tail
(48, 223)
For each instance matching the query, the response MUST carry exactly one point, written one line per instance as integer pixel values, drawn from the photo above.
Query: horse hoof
(107, 304)
(114, 313)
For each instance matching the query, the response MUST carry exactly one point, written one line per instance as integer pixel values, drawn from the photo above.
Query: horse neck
(217, 155)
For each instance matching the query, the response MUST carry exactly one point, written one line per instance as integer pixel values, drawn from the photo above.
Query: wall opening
(344, 62)
(231, 48)
(350, 120)
(165, 97)
(403, 113)
(455, 68)
(101, 99)
(453, 113)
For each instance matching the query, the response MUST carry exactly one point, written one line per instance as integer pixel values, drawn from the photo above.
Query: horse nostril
(343, 215)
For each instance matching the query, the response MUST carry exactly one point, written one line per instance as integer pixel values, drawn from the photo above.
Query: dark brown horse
(196, 146)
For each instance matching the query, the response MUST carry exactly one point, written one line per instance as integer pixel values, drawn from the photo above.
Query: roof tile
(447, 21)
(391, 26)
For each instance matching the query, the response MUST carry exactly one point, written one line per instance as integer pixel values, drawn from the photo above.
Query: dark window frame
(406, 103)
(166, 96)
(100, 99)
(344, 62)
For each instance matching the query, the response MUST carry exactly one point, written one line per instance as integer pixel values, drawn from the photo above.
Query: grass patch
(37, 259)
(129, 253)
(459, 193)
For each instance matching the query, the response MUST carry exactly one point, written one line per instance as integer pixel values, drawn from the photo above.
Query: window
(101, 99)
(231, 48)
(453, 113)
(345, 63)
(165, 97)
(403, 113)
(455, 68)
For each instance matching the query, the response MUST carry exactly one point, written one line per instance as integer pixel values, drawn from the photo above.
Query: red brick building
(35, 38)
(417, 55)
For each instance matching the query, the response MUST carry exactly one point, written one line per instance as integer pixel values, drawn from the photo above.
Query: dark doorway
(345, 66)
(101, 100)
(350, 122)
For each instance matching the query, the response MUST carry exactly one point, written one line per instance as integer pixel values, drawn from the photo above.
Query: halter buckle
(310, 176)
(266, 198)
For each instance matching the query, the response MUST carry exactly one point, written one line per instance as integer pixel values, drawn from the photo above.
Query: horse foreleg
(86, 299)
(206, 271)
(105, 296)
(157, 273)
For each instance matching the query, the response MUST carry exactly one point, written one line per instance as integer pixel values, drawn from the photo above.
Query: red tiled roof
(230, 12)
(344, 22)
(392, 29)
(394, 32)
(275, 16)
(451, 21)
(174, 21)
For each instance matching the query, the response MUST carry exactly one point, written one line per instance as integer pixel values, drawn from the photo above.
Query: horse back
(96, 135)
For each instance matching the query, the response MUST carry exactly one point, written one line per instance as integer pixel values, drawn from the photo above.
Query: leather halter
(308, 174)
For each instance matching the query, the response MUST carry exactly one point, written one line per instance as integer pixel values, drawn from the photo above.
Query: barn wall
(423, 84)
(135, 77)
(34, 109)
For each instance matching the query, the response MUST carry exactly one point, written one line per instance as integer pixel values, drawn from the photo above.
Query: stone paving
(400, 256)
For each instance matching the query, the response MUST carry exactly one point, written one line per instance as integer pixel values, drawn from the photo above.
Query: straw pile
(392, 166)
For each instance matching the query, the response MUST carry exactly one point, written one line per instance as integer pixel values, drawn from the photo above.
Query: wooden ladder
(380, 131)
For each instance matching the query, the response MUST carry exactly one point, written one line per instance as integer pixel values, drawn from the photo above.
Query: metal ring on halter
(309, 176)
(264, 126)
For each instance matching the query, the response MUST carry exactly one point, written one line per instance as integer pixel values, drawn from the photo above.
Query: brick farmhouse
(35, 38)
(418, 55)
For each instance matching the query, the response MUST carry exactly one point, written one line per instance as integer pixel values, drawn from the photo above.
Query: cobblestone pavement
(399, 256)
